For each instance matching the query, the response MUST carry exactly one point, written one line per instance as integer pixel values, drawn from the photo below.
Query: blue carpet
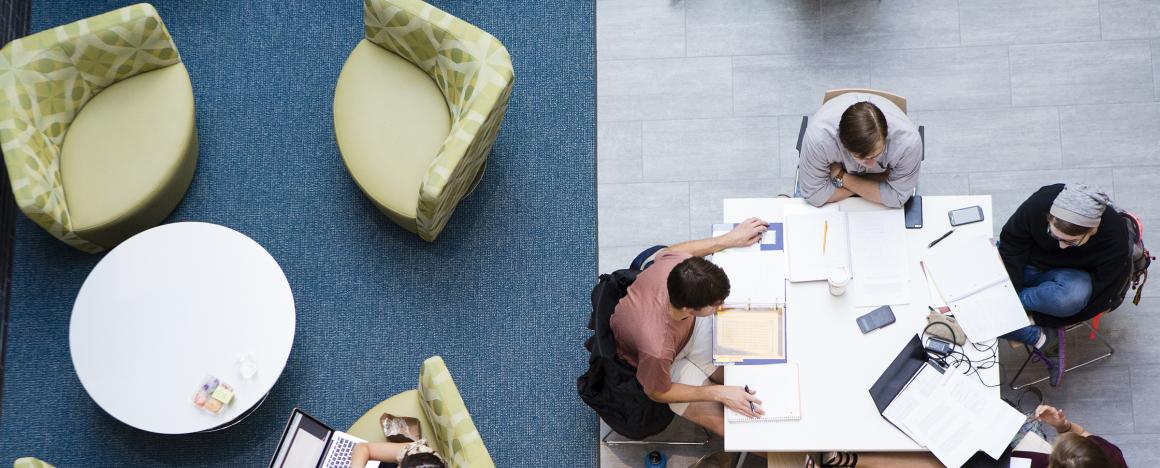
(502, 295)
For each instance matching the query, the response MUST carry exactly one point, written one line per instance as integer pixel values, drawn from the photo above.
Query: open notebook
(776, 386)
(969, 274)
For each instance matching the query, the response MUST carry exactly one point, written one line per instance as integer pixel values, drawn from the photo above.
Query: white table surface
(838, 364)
(171, 305)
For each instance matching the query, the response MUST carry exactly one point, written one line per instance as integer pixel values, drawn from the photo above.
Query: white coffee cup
(839, 278)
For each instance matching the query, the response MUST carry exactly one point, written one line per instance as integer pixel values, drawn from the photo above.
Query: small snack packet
(213, 395)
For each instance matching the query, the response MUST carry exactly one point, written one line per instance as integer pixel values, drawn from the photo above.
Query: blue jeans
(1059, 292)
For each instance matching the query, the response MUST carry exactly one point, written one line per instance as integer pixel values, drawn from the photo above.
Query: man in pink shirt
(664, 328)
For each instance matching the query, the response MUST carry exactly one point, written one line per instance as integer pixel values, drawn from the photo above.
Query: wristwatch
(837, 181)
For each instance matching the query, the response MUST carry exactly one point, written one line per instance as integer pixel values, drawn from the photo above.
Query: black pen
(751, 408)
(944, 236)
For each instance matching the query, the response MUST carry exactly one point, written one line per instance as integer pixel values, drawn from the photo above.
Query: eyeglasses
(1069, 243)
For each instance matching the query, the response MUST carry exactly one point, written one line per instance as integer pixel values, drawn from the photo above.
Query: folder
(749, 334)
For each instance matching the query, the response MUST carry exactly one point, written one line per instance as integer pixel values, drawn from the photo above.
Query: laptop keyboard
(340, 453)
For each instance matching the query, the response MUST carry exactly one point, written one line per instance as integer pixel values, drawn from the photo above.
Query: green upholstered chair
(97, 126)
(416, 109)
(443, 417)
(30, 462)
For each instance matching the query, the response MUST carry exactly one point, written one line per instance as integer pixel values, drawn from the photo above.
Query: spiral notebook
(776, 386)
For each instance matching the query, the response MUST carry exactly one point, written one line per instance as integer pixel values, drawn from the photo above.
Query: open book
(775, 384)
(970, 276)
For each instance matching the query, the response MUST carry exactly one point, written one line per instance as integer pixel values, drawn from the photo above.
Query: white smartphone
(968, 215)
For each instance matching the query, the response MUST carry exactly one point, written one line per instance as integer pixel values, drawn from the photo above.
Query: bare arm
(745, 234)
(378, 451)
(865, 186)
(736, 398)
(1055, 418)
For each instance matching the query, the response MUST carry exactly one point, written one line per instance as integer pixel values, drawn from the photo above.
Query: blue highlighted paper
(774, 238)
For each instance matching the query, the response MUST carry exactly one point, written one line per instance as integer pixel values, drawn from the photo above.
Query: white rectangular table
(838, 364)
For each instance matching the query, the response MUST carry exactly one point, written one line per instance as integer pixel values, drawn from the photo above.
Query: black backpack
(1139, 259)
(610, 386)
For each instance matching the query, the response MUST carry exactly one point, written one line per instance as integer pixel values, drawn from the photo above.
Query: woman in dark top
(1066, 251)
(1074, 447)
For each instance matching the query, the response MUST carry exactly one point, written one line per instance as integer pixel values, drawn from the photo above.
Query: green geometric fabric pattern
(45, 80)
(474, 72)
(455, 435)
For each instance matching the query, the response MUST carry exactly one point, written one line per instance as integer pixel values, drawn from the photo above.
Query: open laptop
(309, 443)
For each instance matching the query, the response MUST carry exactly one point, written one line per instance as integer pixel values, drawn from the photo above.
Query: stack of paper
(953, 415)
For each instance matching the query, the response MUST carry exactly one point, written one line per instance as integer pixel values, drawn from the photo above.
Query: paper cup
(839, 278)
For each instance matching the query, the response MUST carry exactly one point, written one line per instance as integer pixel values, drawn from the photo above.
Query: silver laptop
(309, 443)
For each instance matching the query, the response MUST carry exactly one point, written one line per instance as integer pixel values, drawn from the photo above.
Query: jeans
(1059, 292)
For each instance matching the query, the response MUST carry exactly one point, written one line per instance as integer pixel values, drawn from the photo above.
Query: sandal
(836, 460)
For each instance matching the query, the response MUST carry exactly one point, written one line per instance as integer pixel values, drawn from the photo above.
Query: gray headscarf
(1080, 205)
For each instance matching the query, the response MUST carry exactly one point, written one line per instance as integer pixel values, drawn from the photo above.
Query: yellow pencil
(825, 235)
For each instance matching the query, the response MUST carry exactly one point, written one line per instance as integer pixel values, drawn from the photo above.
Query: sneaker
(1054, 365)
(1051, 346)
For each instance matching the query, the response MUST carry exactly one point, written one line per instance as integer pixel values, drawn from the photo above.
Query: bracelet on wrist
(1068, 429)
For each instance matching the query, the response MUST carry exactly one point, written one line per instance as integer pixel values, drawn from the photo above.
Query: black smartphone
(968, 215)
(876, 319)
(912, 210)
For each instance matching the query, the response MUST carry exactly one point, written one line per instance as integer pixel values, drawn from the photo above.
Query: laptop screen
(303, 442)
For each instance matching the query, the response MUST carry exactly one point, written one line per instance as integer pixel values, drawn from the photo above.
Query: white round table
(170, 306)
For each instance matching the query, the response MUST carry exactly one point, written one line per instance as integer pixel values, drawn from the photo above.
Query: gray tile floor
(700, 100)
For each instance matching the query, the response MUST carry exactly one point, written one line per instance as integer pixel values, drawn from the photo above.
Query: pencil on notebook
(825, 235)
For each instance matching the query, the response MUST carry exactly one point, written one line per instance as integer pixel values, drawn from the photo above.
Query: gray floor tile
(1130, 19)
(991, 139)
(1138, 449)
(643, 214)
(793, 84)
(951, 183)
(854, 24)
(1152, 241)
(632, 456)
(1136, 190)
(683, 88)
(954, 78)
(1107, 415)
(1052, 74)
(640, 29)
(710, 149)
(1156, 65)
(753, 27)
(1110, 135)
(1010, 189)
(1145, 393)
(618, 152)
(789, 126)
(615, 258)
(1029, 22)
(705, 204)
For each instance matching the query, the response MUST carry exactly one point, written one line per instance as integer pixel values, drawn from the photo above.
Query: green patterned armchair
(417, 108)
(97, 126)
(442, 415)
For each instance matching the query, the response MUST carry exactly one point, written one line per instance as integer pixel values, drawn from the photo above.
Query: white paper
(964, 266)
(1019, 462)
(961, 418)
(776, 385)
(924, 384)
(990, 313)
(879, 257)
(815, 243)
(755, 277)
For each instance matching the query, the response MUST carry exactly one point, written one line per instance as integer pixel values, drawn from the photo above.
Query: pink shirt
(647, 337)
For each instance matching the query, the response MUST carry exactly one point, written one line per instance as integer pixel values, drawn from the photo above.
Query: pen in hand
(944, 236)
(752, 409)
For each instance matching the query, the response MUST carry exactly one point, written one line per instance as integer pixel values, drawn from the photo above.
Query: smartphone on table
(876, 319)
(912, 211)
(968, 215)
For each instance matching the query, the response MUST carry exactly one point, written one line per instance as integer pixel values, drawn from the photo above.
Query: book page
(749, 334)
(964, 265)
(775, 384)
(815, 243)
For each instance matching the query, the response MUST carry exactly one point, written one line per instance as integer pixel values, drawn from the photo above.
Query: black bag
(610, 386)
(1139, 259)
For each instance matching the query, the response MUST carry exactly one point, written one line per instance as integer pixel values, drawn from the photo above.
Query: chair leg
(1093, 332)
(607, 441)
